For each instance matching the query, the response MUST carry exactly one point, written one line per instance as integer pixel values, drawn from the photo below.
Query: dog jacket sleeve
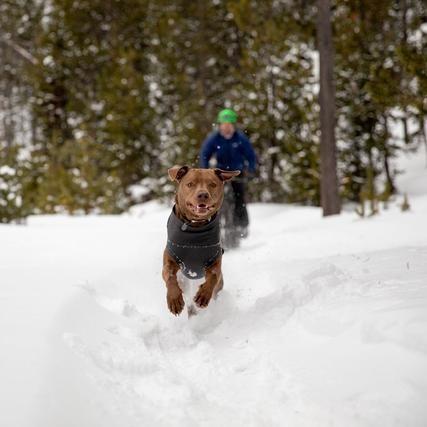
(193, 248)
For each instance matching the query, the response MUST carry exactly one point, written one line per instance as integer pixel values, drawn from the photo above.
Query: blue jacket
(235, 153)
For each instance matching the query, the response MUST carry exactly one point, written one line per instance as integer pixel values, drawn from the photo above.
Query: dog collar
(191, 223)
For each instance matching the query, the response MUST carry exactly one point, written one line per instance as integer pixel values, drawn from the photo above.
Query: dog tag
(184, 227)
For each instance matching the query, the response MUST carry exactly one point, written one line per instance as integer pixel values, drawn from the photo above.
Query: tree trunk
(390, 184)
(424, 134)
(328, 164)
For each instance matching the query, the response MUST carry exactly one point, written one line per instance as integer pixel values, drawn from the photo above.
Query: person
(233, 151)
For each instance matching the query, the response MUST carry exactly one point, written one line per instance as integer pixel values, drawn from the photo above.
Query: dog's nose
(202, 196)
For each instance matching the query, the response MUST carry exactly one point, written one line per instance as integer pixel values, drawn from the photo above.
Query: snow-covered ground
(322, 322)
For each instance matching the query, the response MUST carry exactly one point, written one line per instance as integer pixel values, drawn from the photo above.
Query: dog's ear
(226, 175)
(177, 172)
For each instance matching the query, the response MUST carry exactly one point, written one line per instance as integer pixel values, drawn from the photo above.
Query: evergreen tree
(373, 86)
(95, 137)
(276, 97)
(19, 24)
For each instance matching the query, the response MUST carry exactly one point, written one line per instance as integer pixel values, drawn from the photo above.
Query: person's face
(226, 130)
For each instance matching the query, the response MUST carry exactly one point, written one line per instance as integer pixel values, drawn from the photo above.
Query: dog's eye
(212, 185)
(190, 184)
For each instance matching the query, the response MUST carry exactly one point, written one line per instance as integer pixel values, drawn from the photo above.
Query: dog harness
(193, 248)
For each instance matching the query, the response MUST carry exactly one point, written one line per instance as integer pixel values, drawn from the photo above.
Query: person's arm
(248, 153)
(208, 148)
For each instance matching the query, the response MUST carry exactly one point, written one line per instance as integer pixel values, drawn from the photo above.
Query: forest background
(98, 98)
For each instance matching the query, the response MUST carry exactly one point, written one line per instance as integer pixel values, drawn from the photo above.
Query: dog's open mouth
(201, 208)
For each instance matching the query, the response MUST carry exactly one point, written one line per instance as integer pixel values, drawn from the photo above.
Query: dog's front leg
(213, 280)
(174, 292)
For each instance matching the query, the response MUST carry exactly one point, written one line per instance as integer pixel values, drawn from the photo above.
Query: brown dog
(193, 246)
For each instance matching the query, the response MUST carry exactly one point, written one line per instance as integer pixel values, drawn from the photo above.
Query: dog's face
(200, 191)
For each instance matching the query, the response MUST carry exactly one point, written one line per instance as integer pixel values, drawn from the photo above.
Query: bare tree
(328, 165)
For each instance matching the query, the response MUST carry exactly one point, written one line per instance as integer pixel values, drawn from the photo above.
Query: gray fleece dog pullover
(193, 248)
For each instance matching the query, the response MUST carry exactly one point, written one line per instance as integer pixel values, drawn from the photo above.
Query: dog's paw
(175, 301)
(203, 296)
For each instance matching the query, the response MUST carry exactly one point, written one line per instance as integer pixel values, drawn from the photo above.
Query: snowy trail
(322, 322)
(322, 350)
